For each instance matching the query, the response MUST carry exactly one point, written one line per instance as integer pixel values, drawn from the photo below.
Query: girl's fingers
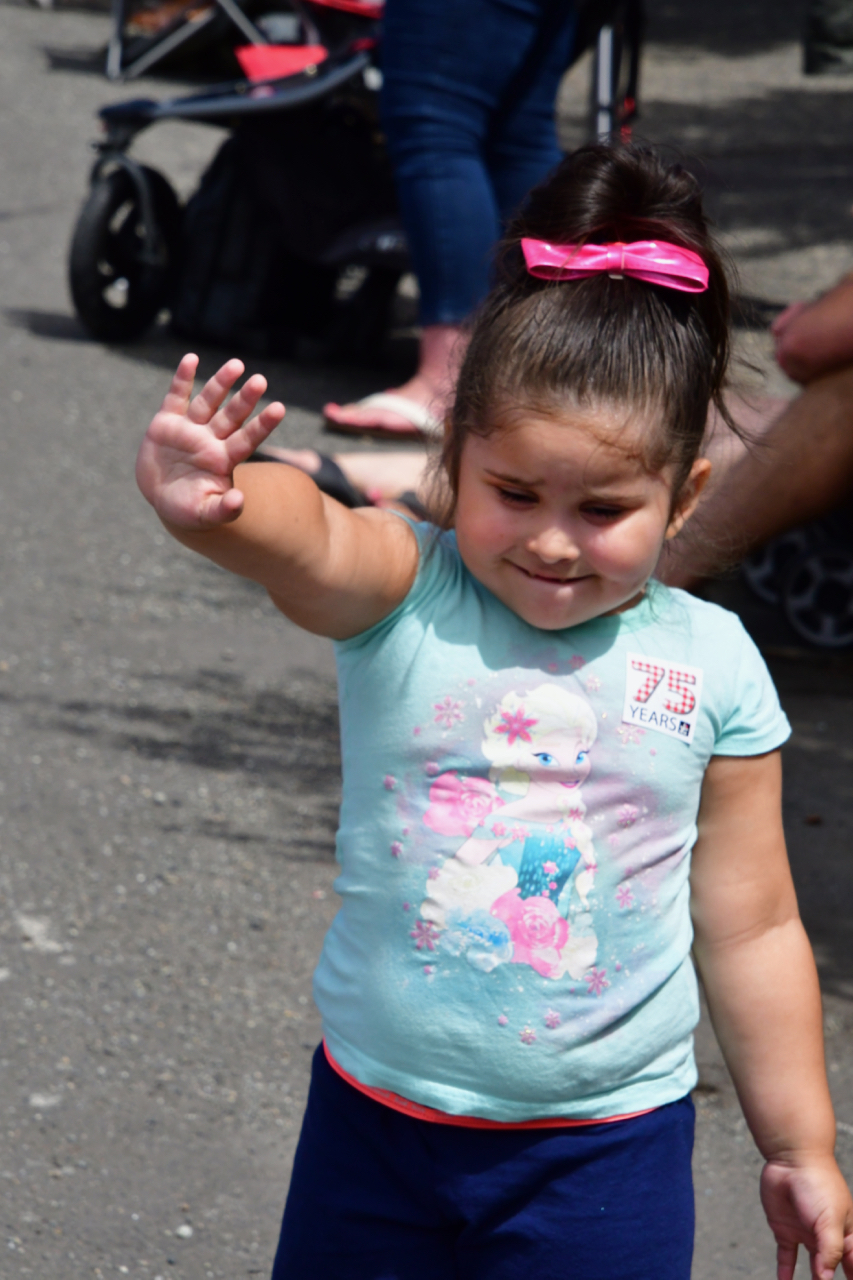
(232, 416)
(209, 399)
(181, 387)
(243, 444)
(786, 1261)
(222, 508)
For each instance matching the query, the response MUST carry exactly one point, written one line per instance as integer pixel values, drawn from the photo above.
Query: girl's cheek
(632, 547)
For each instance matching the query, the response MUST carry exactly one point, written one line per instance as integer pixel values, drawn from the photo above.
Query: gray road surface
(168, 754)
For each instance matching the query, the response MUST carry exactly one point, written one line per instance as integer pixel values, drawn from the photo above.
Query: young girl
(508, 993)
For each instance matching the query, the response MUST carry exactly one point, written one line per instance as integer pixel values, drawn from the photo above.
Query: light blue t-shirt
(519, 809)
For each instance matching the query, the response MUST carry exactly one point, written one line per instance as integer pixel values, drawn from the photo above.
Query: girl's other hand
(186, 461)
(807, 1202)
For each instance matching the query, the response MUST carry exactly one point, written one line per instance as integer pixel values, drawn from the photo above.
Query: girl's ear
(688, 496)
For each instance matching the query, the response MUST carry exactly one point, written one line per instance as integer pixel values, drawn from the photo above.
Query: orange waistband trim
(414, 1109)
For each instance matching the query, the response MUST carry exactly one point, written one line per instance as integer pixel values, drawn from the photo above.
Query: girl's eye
(548, 761)
(602, 514)
(516, 497)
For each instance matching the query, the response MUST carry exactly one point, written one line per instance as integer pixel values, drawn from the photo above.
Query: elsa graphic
(518, 887)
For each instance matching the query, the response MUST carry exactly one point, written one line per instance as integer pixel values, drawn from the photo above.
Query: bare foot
(384, 420)
(431, 389)
(381, 476)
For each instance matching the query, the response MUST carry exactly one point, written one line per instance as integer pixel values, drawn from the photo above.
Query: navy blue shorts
(377, 1195)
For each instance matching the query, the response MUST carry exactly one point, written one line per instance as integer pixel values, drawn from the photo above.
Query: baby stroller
(294, 229)
(300, 192)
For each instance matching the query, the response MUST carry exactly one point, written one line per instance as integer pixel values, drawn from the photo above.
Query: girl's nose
(554, 544)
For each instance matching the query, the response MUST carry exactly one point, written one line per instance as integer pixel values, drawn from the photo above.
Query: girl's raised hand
(808, 1203)
(186, 461)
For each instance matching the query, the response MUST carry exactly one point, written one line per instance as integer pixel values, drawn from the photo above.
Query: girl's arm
(761, 982)
(333, 571)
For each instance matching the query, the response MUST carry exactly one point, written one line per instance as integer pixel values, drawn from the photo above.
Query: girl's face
(560, 519)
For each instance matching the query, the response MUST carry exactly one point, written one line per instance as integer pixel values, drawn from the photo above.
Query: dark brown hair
(540, 344)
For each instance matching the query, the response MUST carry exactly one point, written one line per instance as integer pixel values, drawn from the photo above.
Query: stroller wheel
(766, 569)
(117, 283)
(818, 598)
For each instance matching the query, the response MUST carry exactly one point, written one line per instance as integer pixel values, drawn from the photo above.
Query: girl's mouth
(553, 578)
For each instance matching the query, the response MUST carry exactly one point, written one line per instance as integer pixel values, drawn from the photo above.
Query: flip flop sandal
(423, 423)
(329, 479)
(411, 500)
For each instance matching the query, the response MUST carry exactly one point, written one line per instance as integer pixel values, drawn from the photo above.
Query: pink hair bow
(654, 261)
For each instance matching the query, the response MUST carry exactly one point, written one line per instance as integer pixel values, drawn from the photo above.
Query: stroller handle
(223, 103)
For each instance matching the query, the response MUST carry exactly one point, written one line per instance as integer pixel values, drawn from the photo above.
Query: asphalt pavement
(168, 743)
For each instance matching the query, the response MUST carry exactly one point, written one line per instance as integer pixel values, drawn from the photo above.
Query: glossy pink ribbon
(654, 261)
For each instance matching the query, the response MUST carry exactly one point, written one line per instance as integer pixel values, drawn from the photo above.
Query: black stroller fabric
(277, 195)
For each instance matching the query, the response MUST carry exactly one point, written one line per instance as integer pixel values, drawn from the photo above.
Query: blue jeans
(376, 1195)
(468, 110)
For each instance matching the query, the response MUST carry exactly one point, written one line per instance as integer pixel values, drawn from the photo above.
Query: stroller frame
(378, 245)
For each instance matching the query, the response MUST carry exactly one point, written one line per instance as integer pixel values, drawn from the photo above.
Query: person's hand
(815, 338)
(784, 318)
(186, 461)
(809, 1203)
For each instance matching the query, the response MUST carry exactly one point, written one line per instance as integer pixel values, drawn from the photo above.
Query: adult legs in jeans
(468, 107)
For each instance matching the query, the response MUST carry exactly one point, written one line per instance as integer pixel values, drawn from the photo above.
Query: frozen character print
(520, 883)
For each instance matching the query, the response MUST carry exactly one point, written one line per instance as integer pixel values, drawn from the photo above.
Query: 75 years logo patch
(662, 695)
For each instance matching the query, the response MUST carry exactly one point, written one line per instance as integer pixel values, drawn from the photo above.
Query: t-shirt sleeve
(755, 722)
(436, 565)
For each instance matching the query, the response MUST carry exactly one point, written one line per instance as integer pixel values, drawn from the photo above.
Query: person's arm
(817, 337)
(333, 571)
(760, 979)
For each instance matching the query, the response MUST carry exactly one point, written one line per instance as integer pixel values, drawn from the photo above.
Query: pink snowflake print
(519, 833)
(552, 884)
(389, 782)
(627, 815)
(416, 732)
(433, 873)
(553, 666)
(570, 842)
(597, 980)
(593, 684)
(449, 712)
(630, 733)
(396, 849)
(575, 815)
(424, 934)
(652, 751)
(499, 828)
(407, 906)
(552, 1019)
(429, 970)
(577, 661)
(625, 896)
(618, 967)
(431, 769)
(550, 868)
(527, 1036)
(502, 1020)
(515, 726)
